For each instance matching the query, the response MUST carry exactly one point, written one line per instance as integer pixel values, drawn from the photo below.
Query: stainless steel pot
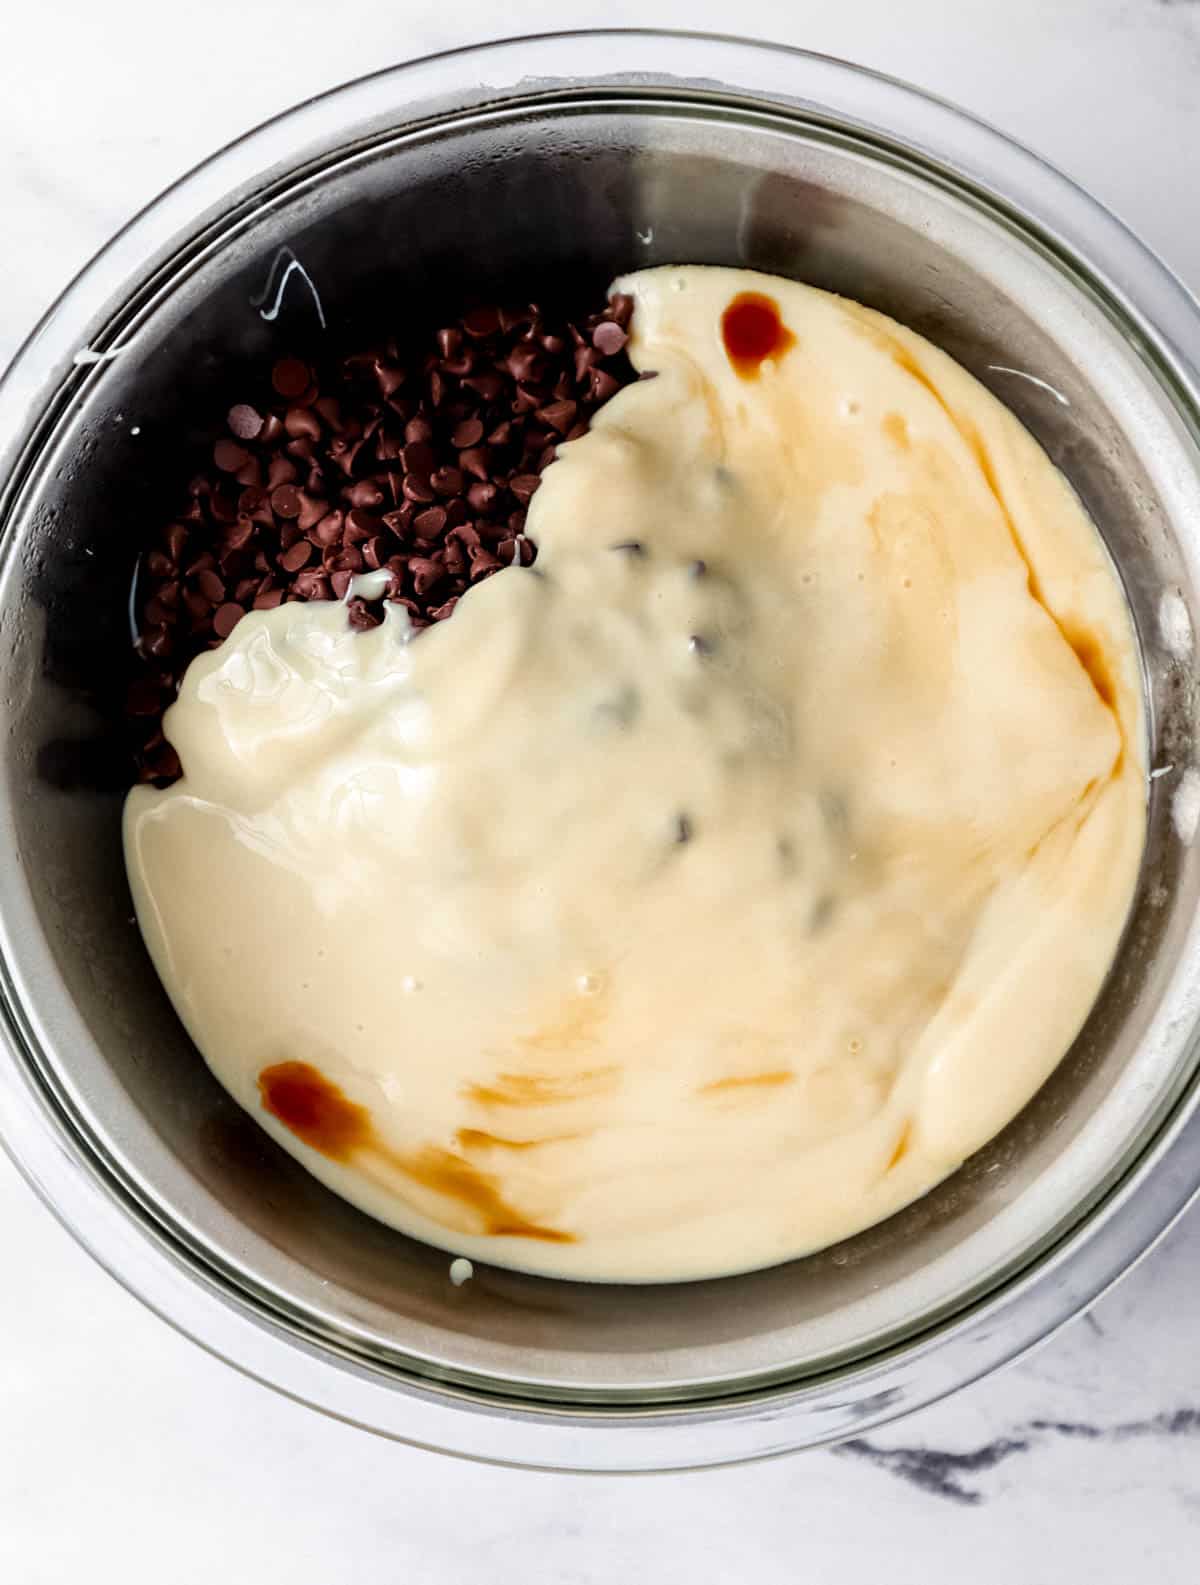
(522, 164)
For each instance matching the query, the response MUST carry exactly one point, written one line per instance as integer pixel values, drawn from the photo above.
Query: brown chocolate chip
(476, 460)
(286, 501)
(480, 322)
(301, 423)
(297, 556)
(481, 496)
(558, 416)
(229, 456)
(483, 563)
(362, 616)
(468, 432)
(602, 385)
(313, 509)
(157, 641)
(447, 481)
(244, 421)
(418, 430)
(489, 387)
(418, 457)
(417, 488)
(347, 559)
(210, 586)
(608, 338)
(431, 523)
(365, 494)
(291, 378)
(225, 618)
(523, 486)
(268, 600)
(329, 530)
(425, 573)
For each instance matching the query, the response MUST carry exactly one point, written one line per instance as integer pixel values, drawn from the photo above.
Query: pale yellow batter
(710, 890)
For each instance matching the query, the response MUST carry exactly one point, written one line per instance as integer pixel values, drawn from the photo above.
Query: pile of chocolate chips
(421, 463)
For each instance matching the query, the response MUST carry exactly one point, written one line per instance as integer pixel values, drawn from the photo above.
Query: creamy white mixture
(710, 890)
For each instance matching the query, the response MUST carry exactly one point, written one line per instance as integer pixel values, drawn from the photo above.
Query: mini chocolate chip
(329, 530)
(418, 457)
(480, 322)
(608, 338)
(210, 586)
(418, 431)
(157, 641)
(631, 547)
(346, 559)
(286, 501)
(523, 486)
(246, 422)
(468, 432)
(297, 556)
(175, 537)
(225, 618)
(602, 385)
(697, 568)
(429, 524)
(487, 386)
(699, 645)
(418, 488)
(483, 563)
(301, 423)
(558, 415)
(313, 509)
(482, 496)
(229, 456)
(361, 616)
(361, 525)
(683, 828)
(365, 494)
(447, 481)
(312, 584)
(291, 377)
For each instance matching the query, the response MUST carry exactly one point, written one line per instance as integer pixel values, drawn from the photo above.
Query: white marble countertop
(127, 1454)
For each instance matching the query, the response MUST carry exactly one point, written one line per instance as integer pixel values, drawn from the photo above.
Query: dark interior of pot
(547, 200)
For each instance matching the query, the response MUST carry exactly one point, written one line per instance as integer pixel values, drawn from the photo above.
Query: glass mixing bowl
(488, 170)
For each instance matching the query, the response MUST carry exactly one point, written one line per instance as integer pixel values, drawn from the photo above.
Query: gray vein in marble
(941, 1473)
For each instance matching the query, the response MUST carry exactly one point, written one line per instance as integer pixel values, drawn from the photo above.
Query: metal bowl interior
(548, 187)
